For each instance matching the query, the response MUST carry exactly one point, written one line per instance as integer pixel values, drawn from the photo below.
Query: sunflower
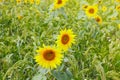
(18, 1)
(32, 1)
(25, 1)
(0, 0)
(99, 1)
(104, 8)
(65, 39)
(119, 26)
(118, 8)
(91, 11)
(98, 19)
(84, 7)
(19, 17)
(49, 57)
(37, 2)
(59, 3)
(113, 18)
(118, 0)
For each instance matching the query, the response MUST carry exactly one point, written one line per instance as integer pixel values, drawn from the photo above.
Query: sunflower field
(59, 39)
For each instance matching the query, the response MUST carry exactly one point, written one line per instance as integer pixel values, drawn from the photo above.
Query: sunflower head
(65, 39)
(19, 17)
(98, 19)
(18, 1)
(25, 1)
(99, 1)
(119, 26)
(59, 3)
(117, 0)
(31, 1)
(118, 8)
(84, 7)
(49, 57)
(0, 0)
(91, 11)
(104, 8)
(113, 18)
(37, 2)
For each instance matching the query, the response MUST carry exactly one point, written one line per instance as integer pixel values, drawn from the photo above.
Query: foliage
(25, 27)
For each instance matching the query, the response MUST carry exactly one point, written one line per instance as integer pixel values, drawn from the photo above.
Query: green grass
(94, 56)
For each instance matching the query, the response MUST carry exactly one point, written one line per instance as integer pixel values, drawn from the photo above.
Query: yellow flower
(104, 8)
(99, 1)
(65, 39)
(113, 18)
(0, 0)
(59, 3)
(19, 17)
(31, 1)
(98, 19)
(49, 57)
(18, 1)
(118, 0)
(118, 8)
(25, 1)
(37, 2)
(84, 7)
(119, 26)
(91, 11)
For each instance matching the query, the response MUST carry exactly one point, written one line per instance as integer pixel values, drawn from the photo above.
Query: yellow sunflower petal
(118, 7)
(118, 0)
(119, 26)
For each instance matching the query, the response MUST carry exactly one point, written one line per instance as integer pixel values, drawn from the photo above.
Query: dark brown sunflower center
(18, 0)
(59, 2)
(91, 10)
(49, 55)
(99, 1)
(119, 7)
(98, 19)
(85, 6)
(65, 39)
